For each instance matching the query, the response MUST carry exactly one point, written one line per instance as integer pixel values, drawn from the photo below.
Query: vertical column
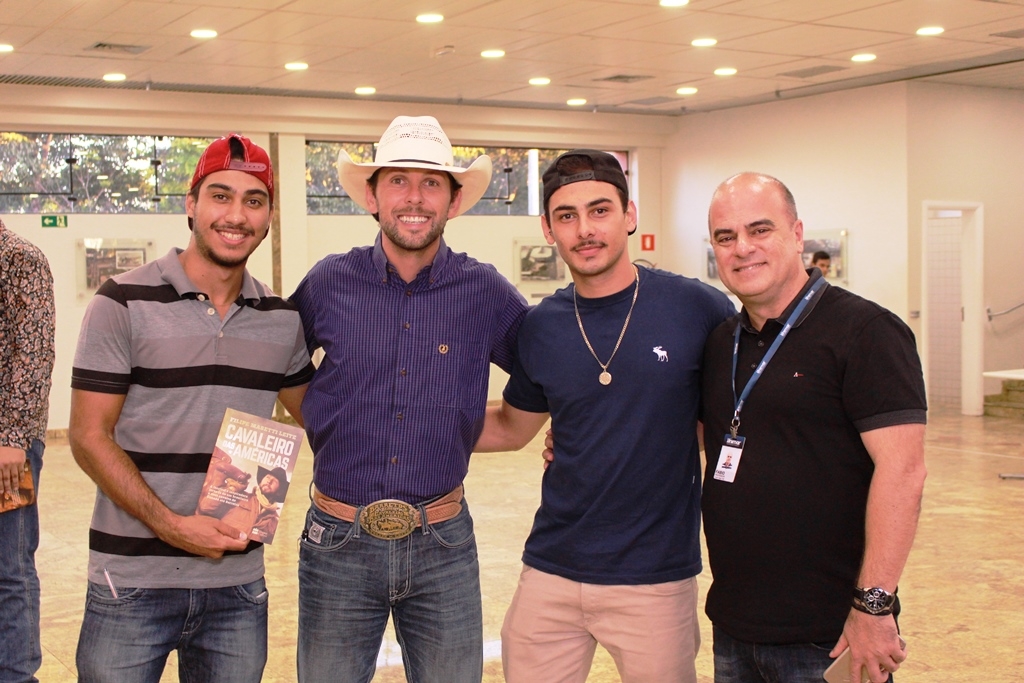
(291, 190)
(645, 189)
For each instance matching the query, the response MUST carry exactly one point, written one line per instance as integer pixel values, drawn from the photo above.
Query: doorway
(953, 316)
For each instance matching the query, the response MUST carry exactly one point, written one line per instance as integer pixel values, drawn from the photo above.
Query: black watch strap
(876, 602)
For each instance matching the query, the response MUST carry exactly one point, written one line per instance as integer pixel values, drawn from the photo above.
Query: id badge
(729, 458)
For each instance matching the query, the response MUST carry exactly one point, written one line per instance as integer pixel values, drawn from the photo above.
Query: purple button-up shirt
(398, 400)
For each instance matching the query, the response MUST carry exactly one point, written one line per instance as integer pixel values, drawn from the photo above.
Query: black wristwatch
(875, 601)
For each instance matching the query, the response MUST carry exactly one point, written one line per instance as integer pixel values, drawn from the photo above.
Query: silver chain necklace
(606, 377)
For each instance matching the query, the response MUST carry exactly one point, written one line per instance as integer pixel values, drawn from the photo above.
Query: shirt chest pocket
(458, 373)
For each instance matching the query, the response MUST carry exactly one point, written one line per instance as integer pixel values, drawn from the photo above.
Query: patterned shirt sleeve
(26, 340)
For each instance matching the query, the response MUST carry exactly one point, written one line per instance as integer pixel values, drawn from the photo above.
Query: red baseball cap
(221, 156)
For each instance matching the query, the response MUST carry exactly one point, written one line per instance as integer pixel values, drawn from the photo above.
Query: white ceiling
(575, 43)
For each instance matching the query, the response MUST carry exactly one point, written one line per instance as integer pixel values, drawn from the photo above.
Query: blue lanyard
(735, 425)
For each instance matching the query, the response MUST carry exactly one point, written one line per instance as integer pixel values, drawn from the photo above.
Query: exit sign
(55, 221)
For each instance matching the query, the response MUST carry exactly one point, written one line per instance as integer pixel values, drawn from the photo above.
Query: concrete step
(1006, 397)
(1001, 409)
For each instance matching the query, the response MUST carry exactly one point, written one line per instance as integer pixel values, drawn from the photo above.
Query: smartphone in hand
(839, 670)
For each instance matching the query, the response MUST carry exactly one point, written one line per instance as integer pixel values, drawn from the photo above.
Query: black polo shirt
(786, 538)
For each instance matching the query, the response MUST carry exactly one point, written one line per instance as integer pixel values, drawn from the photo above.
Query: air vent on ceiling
(118, 48)
(623, 78)
(652, 101)
(1019, 33)
(813, 71)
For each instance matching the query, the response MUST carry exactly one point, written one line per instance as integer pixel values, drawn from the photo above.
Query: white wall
(967, 144)
(843, 155)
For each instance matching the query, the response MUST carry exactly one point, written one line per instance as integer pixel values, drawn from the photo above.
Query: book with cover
(26, 493)
(249, 473)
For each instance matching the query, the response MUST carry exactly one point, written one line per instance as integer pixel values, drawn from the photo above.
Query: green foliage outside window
(109, 173)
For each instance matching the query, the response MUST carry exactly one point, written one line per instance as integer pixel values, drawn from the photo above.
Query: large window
(514, 190)
(69, 172)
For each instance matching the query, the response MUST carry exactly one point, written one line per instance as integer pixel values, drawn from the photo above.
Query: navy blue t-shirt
(620, 504)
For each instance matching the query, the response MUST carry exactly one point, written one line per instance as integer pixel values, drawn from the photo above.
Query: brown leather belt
(391, 519)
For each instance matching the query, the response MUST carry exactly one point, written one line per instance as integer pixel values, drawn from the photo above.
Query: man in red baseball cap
(164, 350)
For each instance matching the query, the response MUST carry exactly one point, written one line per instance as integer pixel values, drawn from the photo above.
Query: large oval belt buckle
(388, 519)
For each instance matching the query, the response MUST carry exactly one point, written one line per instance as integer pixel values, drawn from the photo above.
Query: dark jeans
(428, 582)
(220, 634)
(739, 662)
(20, 652)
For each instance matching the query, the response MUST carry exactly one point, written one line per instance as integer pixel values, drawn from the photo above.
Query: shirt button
(210, 311)
(394, 461)
(220, 334)
(201, 297)
(760, 343)
(408, 292)
(405, 326)
(753, 366)
(402, 372)
(400, 416)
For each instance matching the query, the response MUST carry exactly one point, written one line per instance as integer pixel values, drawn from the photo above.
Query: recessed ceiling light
(576, 102)
(704, 42)
(673, 3)
(430, 18)
(686, 90)
(296, 66)
(113, 78)
(725, 71)
(365, 90)
(865, 57)
(540, 80)
(930, 31)
(492, 54)
(102, 177)
(204, 33)
(4, 47)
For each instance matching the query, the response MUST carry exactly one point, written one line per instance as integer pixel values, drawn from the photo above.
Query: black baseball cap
(595, 165)
(578, 165)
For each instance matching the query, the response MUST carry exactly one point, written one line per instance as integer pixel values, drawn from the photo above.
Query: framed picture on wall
(98, 260)
(538, 269)
(818, 243)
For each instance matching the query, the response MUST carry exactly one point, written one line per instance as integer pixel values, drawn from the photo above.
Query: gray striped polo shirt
(151, 335)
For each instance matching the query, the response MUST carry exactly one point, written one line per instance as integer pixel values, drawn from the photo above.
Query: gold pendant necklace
(605, 377)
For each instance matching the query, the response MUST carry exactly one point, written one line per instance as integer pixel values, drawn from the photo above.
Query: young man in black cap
(164, 350)
(615, 360)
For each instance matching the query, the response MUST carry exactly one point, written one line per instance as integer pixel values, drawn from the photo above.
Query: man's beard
(207, 252)
(413, 243)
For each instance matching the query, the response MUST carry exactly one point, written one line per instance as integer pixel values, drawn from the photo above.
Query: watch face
(877, 599)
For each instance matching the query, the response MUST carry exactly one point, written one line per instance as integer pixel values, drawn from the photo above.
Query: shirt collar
(813, 274)
(380, 261)
(173, 274)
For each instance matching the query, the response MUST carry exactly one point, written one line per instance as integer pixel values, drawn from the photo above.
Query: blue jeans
(429, 582)
(20, 653)
(740, 662)
(220, 634)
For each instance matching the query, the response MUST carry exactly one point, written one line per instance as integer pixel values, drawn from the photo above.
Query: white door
(953, 320)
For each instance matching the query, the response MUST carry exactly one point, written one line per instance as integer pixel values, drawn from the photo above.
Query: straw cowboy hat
(415, 142)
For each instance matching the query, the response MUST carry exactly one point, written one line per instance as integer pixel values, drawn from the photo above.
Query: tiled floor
(963, 589)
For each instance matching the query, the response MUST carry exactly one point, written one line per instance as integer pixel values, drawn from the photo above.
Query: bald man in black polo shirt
(809, 526)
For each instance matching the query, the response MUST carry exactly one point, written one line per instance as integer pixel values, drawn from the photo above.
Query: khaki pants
(553, 626)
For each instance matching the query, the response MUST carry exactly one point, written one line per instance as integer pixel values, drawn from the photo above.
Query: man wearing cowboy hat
(408, 329)
(257, 515)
